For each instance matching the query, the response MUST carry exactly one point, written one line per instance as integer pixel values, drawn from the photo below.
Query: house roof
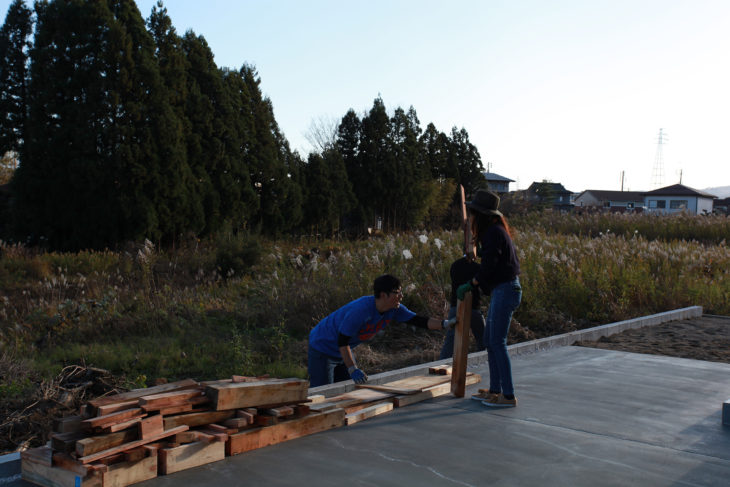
(679, 190)
(555, 187)
(490, 176)
(615, 195)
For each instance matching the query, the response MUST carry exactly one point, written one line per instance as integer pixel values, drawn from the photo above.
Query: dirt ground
(705, 338)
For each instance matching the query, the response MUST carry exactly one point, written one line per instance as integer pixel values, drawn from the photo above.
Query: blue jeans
(477, 328)
(506, 297)
(324, 369)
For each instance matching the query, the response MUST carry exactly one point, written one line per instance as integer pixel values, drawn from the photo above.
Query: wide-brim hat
(485, 202)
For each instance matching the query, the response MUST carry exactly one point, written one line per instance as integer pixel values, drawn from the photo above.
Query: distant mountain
(719, 191)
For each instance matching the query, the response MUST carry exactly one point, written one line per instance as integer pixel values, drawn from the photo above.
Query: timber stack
(134, 436)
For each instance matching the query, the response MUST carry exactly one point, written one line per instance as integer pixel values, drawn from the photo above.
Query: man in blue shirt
(332, 340)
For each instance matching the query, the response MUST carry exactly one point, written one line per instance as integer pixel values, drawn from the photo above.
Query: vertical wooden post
(461, 346)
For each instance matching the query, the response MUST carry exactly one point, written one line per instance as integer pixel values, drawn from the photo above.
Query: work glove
(463, 289)
(357, 375)
(449, 323)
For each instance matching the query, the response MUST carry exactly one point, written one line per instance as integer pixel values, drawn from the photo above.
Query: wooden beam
(49, 476)
(151, 426)
(131, 472)
(263, 393)
(197, 419)
(117, 406)
(128, 446)
(461, 346)
(440, 390)
(145, 391)
(409, 385)
(368, 412)
(252, 439)
(154, 402)
(113, 418)
(68, 424)
(94, 444)
(191, 455)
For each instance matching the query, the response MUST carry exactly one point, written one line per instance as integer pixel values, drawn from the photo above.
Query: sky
(568, 91)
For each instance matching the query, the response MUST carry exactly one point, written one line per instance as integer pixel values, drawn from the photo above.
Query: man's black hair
(385, 284)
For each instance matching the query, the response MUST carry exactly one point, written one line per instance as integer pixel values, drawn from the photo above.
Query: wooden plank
(131, 472)
(94, 444)
(197, 419)
(440, 370)
(42, 455)
(191, 436)
(145, 391)
(66, 462)
(128, 446)
(117, 406)
(279, 412)
(66, 442)
(191, 455)
(236, 423)
(113, 418)
(316, 398)
(322, 407)
(252, 439)
(181, 408)
(152, 426)
(409, 385)
(439, 390)
(49, 476)
(461, 346)
(246, 415)
(155, 402)
(368, 412)
(264, 393)
(113, 428)
(68, 424)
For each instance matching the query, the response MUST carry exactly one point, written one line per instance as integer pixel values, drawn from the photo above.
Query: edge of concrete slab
(532, 346)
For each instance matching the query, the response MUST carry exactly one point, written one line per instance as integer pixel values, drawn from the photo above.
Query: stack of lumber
(134, 436)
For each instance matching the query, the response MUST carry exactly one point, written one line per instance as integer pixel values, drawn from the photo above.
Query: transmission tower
(657, 174)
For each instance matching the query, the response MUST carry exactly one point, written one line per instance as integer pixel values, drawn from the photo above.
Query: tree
(465, 156)
(377, 161)
(14, 46)
(102, 162)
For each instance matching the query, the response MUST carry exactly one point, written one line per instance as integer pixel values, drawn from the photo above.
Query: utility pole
(622, 180)
(657, 174)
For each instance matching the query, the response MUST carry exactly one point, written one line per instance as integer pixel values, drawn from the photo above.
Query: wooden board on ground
(409, 385)
(271, 392)
(94, 444)
(197, 419)
(126, 473)
(440, 370)
(190, 455)
(368, 412)
(133, 444)
(461, 346)
(439, 390)
(146, 391)
(49, 476)
(286, 430)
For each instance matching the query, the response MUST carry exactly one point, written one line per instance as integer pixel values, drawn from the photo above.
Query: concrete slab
(586, 417)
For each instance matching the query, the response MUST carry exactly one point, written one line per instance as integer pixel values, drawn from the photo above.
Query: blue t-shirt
(358, 319)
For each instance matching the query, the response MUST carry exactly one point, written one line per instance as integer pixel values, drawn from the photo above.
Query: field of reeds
(241, 305)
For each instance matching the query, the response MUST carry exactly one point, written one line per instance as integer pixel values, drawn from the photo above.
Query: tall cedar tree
(348, 145)
(173, 66)
(465, 156)
(279, 199)
(379, 192)
(14, 45)
(103, 162)
(328, 192)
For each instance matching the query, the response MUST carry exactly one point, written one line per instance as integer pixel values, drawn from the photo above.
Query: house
(497, 183)
(721, 206)
(610, 200)
(550, 195)
(678, 198)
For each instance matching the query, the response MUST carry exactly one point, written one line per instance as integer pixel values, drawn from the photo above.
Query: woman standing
(497, 276)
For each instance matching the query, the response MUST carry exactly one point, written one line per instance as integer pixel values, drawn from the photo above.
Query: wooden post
(461, 346)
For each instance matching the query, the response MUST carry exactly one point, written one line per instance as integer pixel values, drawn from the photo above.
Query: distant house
(678, 198)
(721, 206)
(610, 200)
(497, 183)
(549, 195)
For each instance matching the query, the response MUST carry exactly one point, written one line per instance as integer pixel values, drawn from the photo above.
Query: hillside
(719, 191)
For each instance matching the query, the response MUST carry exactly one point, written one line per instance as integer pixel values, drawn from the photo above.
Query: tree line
(126, 130)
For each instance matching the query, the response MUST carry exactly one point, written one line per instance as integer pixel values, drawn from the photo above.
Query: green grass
(238, 305)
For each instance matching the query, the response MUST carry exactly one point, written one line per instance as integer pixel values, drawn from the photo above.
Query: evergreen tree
(102, 161)
(378, 166)
(14, 45)
(349, 133)
(465, 156)
(435, 145)
(409, 207)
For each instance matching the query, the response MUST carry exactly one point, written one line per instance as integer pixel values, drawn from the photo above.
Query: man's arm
(357, 375)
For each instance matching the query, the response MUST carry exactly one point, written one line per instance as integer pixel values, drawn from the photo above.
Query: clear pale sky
(570, 91)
